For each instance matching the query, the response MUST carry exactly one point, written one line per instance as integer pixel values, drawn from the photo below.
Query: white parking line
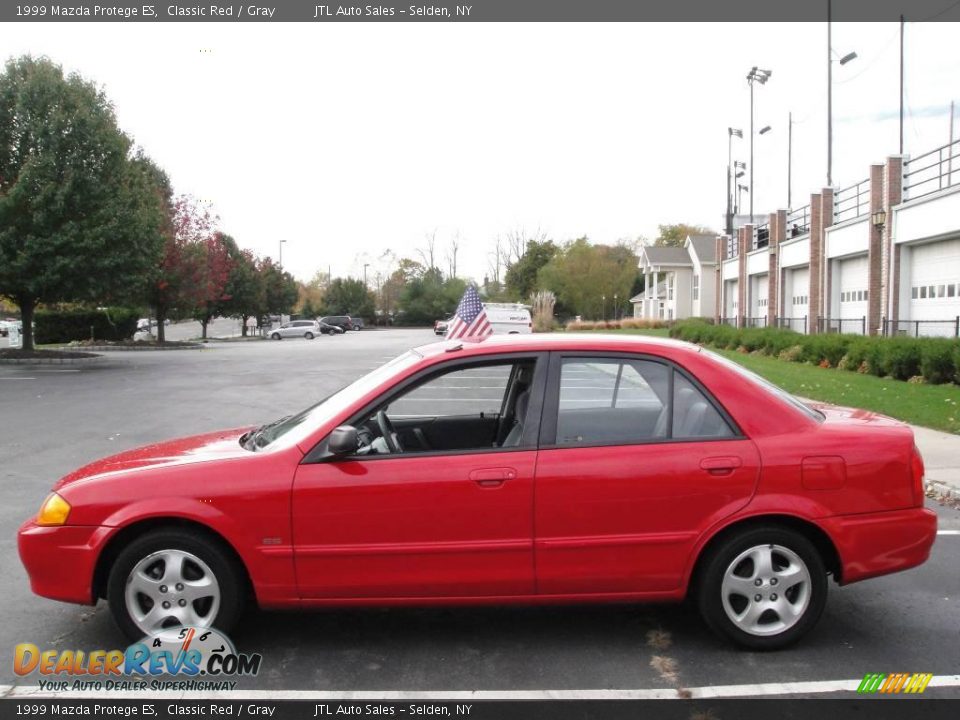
(17, 378)
(948, 532)
(812, 687)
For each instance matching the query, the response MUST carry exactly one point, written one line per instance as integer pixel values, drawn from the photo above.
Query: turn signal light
(54, 511)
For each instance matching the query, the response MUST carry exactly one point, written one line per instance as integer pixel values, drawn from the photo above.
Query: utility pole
(950, 149)
(754, 76)
(829, 93)
(790, 160)
(731, 132)
(901, 84)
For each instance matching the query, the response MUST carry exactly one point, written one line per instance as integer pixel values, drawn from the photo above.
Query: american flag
(470, 320)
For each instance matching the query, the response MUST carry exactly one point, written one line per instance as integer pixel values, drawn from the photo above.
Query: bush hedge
(60, 326)
(625, 324)
(936, 360)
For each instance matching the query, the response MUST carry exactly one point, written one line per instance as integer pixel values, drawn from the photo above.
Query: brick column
(826, 214)
(746, 240)
(875, 299)
(778, 231)
(890, 253)
(816, 260)
(718, 284)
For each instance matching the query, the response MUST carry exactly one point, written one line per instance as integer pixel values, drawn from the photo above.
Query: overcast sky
(350, 139)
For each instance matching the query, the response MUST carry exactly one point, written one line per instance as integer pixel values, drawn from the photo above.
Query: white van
(509, 318)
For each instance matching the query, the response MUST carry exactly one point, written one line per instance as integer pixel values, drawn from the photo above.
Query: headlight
(54, 511)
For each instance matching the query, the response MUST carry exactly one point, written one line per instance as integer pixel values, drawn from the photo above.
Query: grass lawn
(933, 406)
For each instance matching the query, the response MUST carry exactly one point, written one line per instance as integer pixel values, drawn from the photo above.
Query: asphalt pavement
(56, 418)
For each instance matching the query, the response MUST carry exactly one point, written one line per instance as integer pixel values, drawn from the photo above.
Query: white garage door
(758, 296)
(853, 285)
(730, 298)
(935, 286)
(799, 299)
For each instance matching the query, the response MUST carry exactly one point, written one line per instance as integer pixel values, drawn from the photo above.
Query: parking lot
(56, 418)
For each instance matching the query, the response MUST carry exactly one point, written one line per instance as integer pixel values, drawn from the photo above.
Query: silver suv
(308, 329)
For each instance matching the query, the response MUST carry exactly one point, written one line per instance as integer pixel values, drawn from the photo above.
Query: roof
(666, 255)
(551, 341)
(705, 246)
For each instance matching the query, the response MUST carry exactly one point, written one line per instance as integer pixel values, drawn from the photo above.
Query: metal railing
(761, 236)
(932, 171)
(733, 248)
(755, 322)
(921, 328)
(849, 326)
(731, 321)
(852, 202)
(797, 324)
(798, 222)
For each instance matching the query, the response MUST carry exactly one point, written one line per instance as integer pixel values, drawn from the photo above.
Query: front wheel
(308, 335)
(275, 336)
(174, 578)
(763, 588)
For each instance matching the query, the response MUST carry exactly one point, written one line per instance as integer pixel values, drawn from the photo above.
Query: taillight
(917, 470)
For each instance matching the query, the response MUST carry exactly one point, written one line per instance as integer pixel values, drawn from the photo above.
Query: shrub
(792, 354)
(60, 326)
(937, 363)
(900, 358)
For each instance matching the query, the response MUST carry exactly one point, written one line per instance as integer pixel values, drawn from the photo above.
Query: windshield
(293, 428)
(767, 385)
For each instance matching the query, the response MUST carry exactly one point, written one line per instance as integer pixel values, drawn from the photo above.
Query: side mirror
(343, 440)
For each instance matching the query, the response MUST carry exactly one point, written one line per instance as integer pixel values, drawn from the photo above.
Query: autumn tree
(244, 292)
(347, 296)
(676, 235)
(586, 278)
(80, 215)
(209, 292)
(279, 289)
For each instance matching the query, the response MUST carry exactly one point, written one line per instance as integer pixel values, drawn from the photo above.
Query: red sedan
(514, 470)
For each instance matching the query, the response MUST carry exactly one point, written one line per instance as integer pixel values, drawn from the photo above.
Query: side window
(608, 401)
(471, 391)
(693, 415)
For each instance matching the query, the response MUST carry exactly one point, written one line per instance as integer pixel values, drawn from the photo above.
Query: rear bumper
(60, 560)
(881, 543)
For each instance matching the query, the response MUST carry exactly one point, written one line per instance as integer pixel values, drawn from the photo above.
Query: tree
(80, 217)
(213, 264)
(347, 296)
(244, 291)
(311, 294)
(586, 278)
(521, 278)
(676, 235)
(429, 297)
(279, 289)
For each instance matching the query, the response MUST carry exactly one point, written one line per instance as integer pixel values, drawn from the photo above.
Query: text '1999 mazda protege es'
(518, 469)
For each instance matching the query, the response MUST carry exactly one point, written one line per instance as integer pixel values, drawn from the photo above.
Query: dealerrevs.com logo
(892, 683)
(195, 658)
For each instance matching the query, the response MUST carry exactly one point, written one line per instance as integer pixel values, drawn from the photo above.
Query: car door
(426, 522)
(636, 461)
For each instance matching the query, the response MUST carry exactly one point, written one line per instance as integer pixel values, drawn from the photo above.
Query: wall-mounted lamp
(879, 218)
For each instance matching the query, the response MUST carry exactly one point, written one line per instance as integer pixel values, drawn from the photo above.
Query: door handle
(492, 477)
(720, 465)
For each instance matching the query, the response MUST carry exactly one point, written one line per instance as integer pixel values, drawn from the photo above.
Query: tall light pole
(280, 255)
(756, 75)
(365, 266)
(731, 133)
(790, 161)
(843, 61)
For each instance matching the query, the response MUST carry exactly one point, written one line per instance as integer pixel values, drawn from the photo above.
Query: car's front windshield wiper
(251, 441)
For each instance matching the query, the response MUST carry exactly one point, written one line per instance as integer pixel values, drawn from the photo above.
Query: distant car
(144, 324)
(7, 325)
(308, 329)
(440, 327)
(341, 321)
(328, 329)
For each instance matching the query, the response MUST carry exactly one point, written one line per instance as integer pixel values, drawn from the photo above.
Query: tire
(275, 336)
(779, 618)
(202, 558)
(308, 335)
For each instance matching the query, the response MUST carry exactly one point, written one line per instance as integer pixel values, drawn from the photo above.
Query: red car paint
(532, 525)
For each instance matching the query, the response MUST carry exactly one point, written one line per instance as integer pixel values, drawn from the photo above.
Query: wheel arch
(128, 533)
(809, 529)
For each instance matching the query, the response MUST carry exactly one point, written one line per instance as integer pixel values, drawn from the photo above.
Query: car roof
(555, 341)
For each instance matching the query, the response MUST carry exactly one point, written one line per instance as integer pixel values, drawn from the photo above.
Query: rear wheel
(763, 588)
(308, 335)
(174, 578)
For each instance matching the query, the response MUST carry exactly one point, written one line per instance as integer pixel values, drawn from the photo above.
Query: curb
(53, 361)
(939, 490)
(134, 348)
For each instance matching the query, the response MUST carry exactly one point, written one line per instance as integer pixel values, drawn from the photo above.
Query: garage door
(799, 299)
(853, 284)
(758, 296)
(730, 299)
(935, 286)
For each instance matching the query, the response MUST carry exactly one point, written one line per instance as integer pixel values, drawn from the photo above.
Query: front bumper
(881, 543)
(60, 560)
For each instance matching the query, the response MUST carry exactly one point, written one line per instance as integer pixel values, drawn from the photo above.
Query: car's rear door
(636, 460)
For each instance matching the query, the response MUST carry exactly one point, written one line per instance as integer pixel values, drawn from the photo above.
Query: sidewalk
(941, 457)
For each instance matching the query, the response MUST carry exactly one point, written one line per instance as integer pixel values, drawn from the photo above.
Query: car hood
(193, 449)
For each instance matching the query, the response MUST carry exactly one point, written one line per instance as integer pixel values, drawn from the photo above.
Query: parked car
(7, 325)
(328, 329)
(345, 322)
(661, 471)
(357, 322)
(308, 329)
(440, 327)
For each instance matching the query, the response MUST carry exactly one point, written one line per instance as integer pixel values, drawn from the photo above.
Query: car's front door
(442, 519)
(636, 460)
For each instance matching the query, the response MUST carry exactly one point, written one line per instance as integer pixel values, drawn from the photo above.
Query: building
(879, 257)
(678, 281)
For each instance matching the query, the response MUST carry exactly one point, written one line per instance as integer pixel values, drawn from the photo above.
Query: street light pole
(755, 75)
(280, 255)
(790, 161)
(731, 132)
(365, 266)
(843, 61)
